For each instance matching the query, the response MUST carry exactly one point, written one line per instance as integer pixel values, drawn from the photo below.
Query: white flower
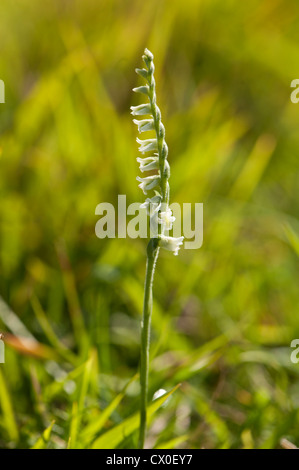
(149, 182)
(148, 164)
(166, 219)
(152, 205)
(141, 109)
(144, 125)
(142, 72)
(171, 243)
(147, 145)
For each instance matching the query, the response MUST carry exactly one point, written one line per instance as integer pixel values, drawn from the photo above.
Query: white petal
(152, 205)
(142, 72)
(144, 125)
(171, 243)
(166, 219)
(142, 89)
(148, 183)
(148, 164)
(147, 145)
(148, 54)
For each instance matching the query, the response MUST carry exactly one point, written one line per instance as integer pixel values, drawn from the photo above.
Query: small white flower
(148, 164)
(171, 243)
(141, 109)
(142, 72)
(152, 205)
(147, 145)
(142, 89)
(166, 219)
(148, 54)
(148, 183)
(144, 125)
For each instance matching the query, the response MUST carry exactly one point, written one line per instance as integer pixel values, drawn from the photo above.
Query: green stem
(152, 256)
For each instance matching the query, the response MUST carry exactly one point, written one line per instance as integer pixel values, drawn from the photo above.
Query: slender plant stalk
(158, 210)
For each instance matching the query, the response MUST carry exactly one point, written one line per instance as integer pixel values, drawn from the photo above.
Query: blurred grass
(224, 315)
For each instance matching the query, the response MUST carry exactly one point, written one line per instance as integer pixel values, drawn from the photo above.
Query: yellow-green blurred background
(70, 309)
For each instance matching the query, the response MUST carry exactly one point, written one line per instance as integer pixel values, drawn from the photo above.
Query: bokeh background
(224, 315)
